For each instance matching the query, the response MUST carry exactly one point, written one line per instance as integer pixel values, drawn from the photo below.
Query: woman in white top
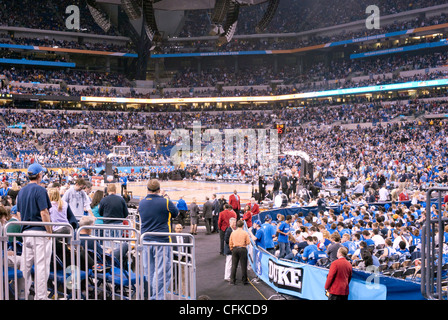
(415, 198)
(58, 211)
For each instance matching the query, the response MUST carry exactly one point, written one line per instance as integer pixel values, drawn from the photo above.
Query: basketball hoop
(120, 151)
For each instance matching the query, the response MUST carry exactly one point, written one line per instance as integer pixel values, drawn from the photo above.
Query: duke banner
(306, 281)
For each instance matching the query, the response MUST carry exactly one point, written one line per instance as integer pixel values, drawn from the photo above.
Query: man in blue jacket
(183, 208)
(156, 214)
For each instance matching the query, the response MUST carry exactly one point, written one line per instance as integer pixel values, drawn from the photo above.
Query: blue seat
(61, 277)
(119, 277)
(109, 272)
(12, 272)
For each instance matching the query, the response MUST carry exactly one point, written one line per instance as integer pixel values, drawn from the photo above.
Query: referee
(156, 214)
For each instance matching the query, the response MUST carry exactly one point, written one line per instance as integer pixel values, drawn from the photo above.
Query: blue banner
(138, 168)
(38, 62)
(368, 38)
(440, 43)
(306, 281)
(209, 54)
(19, 125)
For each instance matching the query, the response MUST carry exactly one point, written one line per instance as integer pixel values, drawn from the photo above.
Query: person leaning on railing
(33, 205)
(156, 214)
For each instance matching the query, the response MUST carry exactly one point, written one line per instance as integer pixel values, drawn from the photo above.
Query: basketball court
(193, 189)
(188, 189)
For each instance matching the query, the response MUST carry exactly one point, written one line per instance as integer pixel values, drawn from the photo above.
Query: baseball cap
(320, 246)
(258, 222)
(268, 217)
(35, 169)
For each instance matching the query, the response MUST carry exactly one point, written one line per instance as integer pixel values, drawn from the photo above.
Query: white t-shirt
(77, 200)
(383, 194)
(378, 239)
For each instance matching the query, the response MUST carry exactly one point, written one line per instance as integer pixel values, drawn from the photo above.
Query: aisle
(210, 274)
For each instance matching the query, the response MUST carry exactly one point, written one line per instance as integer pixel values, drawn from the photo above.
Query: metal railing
(168, 268)
(105, 262)
(433, 265)
(94, 262)
(34, 259)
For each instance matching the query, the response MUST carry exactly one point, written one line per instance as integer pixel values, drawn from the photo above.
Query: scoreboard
(280, 128)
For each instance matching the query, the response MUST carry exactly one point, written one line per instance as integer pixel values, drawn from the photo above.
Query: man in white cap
(33, 204)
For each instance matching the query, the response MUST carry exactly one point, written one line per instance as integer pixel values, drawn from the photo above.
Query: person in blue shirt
(403, 252)
(307, 220)
(124, 182)
(258, 234)
(332, 228)
(183, 208)
(350, 245)
(156, 214)
(294, 255)
(284, 230)
(368, 238)
(33, 204)
(445, 234)
(310, 249)
(320, 253)
(5, 188)
(269, 231)
(417, 238)
(343, 229)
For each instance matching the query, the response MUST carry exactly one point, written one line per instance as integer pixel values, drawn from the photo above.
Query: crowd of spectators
(369, 187)
(316, 75)
(307, 130)
(224, 119)
(312, 75)
(87, 148)
(390, 162)
(67, 76)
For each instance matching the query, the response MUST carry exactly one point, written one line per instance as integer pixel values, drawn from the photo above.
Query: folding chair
(406, 263)
(13, 274)
(383, 267)
(114, 278)
(323, 262)
(397, 273)
(409, 272)
(62, 277)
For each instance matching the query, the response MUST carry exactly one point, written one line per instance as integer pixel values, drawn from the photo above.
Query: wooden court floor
(194, 189)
